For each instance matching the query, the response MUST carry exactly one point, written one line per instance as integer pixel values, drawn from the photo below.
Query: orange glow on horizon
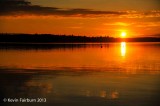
(78, 26)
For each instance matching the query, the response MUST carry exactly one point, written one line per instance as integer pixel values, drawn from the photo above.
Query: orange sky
(91, 21)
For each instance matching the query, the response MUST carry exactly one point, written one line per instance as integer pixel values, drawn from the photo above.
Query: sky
(138, 18)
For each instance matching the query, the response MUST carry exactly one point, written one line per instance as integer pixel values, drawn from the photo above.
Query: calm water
(111, 74)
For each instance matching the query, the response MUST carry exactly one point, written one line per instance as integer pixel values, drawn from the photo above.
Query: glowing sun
(123, 34)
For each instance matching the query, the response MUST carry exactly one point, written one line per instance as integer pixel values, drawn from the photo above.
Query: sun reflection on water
(123, 49)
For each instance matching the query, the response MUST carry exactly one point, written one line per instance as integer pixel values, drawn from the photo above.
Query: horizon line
(89, 36)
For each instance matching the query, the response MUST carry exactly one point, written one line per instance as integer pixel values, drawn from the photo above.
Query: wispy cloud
(148, 24)
(142, 14)
(23, 8)
(118, 24)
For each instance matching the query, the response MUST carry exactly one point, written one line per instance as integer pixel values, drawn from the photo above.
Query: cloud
(148, 24)
(143, 14)
(23, 8)
(118, 24)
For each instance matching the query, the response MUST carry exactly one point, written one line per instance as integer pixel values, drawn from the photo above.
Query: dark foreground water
(113, 74)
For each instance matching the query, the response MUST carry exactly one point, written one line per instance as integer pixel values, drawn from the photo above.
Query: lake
(91, 74)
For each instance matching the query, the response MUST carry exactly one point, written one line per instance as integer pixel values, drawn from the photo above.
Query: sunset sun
(123, 34)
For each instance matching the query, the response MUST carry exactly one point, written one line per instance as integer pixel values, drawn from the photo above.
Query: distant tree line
(51, 38)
